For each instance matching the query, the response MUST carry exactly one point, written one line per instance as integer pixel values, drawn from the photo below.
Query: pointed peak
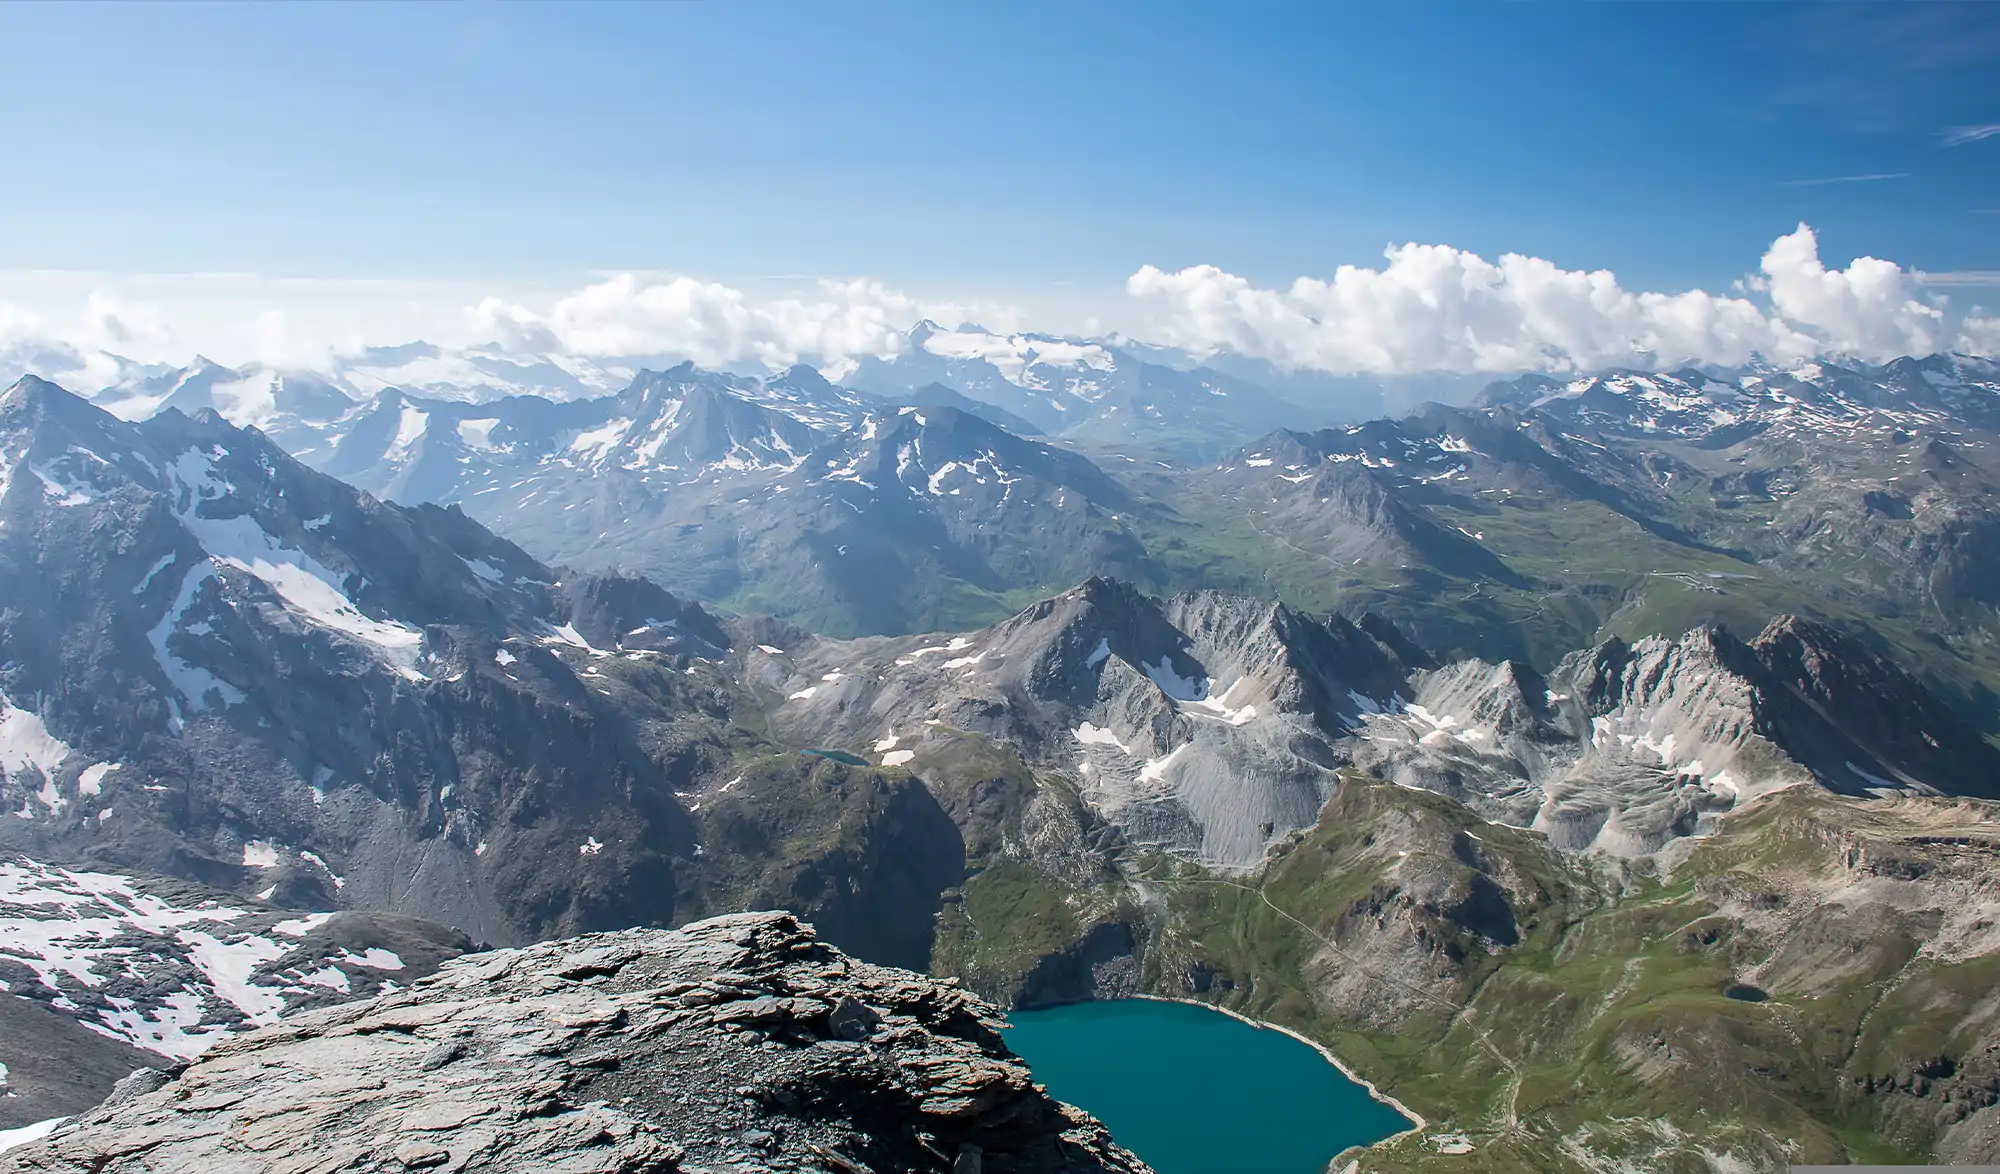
(30, 387)
(1808, 633)
(33, 393)
(803, 375)
(1103, 590)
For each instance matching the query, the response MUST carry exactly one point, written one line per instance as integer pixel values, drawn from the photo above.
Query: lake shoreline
(1419, 1124)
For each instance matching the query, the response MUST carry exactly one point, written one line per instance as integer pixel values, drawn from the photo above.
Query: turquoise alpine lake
(1194, 1091)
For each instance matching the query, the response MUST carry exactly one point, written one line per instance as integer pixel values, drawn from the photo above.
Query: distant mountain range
(719, 486)
(1112, 391)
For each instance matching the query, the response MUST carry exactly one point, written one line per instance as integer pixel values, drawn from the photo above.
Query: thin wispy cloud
(1984, 278)
(1814, 183)
(1958, 136)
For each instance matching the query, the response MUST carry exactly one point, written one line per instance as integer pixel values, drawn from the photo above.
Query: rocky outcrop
(742, 1043)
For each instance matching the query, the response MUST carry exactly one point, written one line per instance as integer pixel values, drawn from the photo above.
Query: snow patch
(1091, 735)
(308, 588)
(1216, 705)
(166, 561)
(9, 1138)
(1172, 683)
(1156, 770)
(26, 745)
(374, 958)
(91, 783)
(484, 569)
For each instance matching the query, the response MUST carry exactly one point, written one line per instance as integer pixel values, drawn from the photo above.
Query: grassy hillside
(1779, 998)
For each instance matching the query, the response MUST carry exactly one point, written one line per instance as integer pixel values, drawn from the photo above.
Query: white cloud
(1871, 309)
(86, 318)
(1426, 308)
(1434, 307)
(1873, 177)
(75, 322)
(1979, 334)
(1958, 136)
(714, 324)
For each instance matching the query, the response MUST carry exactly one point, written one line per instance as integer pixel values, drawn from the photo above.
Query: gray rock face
(1203, 724)
(741, 1043)
(1630, 748)
(1342, 495)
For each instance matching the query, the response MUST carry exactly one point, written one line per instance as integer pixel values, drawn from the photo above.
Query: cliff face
(741, 1043)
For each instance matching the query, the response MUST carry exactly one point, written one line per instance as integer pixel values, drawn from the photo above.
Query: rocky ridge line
(739, 1044)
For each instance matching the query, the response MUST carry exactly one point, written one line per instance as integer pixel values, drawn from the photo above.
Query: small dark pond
(837, 756)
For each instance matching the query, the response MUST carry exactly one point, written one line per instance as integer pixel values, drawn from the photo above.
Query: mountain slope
(907, 521)
(107, 972)
(1628, 748)
(1201, 724)
(1091, 391)
(224, 666)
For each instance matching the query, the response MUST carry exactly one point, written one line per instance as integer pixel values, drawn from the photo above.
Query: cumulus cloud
(89, 328)
(82, 324)
(1434, 307)
(1872, 308)
(1427, 307)
(1979, 334)
(712, 323)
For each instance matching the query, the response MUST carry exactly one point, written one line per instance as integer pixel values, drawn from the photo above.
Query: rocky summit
(741, 1044)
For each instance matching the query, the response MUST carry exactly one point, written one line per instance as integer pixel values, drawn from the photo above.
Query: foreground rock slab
(740, 1044)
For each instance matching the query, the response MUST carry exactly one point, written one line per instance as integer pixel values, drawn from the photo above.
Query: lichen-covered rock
(739, 1044)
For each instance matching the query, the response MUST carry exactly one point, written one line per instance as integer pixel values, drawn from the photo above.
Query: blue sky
(1017, 144)
(1025, 151)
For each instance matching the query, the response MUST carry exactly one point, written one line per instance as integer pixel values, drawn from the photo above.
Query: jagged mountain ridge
(1629, 748)
(1457, 509)
(1814, 397)
(1204, 724)
(244, 393)
(886, 526)
(682, 477)
(1213, 726)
